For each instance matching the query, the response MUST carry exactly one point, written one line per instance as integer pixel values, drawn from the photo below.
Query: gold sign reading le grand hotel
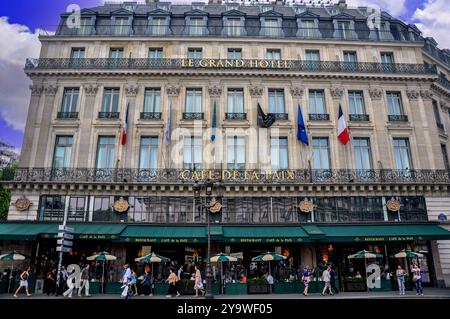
(234, 64)
(232, 175)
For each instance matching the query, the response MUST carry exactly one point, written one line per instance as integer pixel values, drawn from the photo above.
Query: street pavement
(429, 293)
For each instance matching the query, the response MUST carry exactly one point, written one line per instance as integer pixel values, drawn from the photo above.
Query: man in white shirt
(326, 277)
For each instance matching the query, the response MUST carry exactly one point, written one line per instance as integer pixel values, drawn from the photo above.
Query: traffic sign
(66, 229)
(65, 236)
(64, 249)
(63, 242)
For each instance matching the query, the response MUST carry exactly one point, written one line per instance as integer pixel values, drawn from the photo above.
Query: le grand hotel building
(156, 67)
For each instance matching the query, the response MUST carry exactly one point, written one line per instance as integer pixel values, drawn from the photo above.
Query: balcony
(150, 115)
(217, 64)
(398, 118)
(67, 115)
(319, 117)
(359, 117)
(108, 115)
(193, 116)
(235, 116)
(443, 82)
(280, 116)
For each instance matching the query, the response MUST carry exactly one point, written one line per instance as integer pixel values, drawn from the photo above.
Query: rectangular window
(363, 156)
(235, 101)
(192, 157)
(445, 156)
(312, 55)
(193, 101)
(70, 100)
(148, 155)
(234, 54)
(316, 102)
(77, 53)
(196, 26)
(276, 101)
(273, 54)
(437, 116)
(402, 153)
(321, 153)
(278, 153)
(236, 153)
(155, 53)
(52, 208)
(85, 26)
(350, 56)
(394, 103)
(271, 27)
(158, 26)
(116, 53)
(77, 208)
(387, 57)
(234, 26)
(110, 100)
(152, 101)
(195, 53)
(356, 102)
(308, 28)
(63, 152)
(121, 26)
(343, 29)
(105, 152)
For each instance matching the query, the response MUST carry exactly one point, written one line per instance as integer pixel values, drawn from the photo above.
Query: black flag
(263, 119)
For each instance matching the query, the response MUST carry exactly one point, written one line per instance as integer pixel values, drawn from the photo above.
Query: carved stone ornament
(131, 90)
(36, 89)
(173, 90)
(215, 206)
(336, 92)
(375, 93)
(22, 204)
(215, 91)
(256, 91)
(426, 94)
(412, 94)
(306, 206)
(121, 205)
(91, 89)
(393, 205)
(50, 89)
(297, 91)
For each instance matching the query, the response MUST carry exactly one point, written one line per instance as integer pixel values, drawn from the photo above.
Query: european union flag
(214, 124)
(301, 129)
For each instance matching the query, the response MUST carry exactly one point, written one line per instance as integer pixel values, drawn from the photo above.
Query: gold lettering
(212, 63)
(203, 63)
(229, 63)
(290, 175)
(264, 64)
(253, 63)
(255, 175)
(219, 64)
(239, 63)
(226, 174)
(183, 174)
(195, 175)
(276, 175)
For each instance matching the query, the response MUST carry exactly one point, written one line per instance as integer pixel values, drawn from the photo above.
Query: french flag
(343, 134)
(124, 128)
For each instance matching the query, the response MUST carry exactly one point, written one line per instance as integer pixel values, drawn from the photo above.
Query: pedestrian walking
(84, 281)
(306, 279)
(126, 280)
(50, 282)
(133, 282)
(180, 276)
(71, 284)
(333, 281)
(400, 273)
(23, 282)
(172, 280)
(198, 285)
(417, 278)
(146, 283)
(326, 277)
(62, 280)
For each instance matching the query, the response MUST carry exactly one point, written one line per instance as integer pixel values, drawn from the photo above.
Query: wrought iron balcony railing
(108, 115)
(359, 117)
(67, 115)
(319, 116)
(244, 64)
(235, 116)
(299, 176)
(398, 118)
(150, 115)
(280, 116)
(444, 82)
(193, 115)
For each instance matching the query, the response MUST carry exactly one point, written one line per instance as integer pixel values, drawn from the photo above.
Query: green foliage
(257, 281)
(5, 198)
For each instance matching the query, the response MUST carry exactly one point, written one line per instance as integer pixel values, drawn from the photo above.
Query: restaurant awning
(264, 234)
(164, 234)
(367, 233)
(22, 231)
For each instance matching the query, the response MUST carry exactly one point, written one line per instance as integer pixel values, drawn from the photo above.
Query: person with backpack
(23, 282)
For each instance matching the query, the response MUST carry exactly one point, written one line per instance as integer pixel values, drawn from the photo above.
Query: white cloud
(17, 43)
(434, 21)
(393, 7)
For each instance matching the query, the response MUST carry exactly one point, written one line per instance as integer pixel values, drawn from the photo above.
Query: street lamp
(208, 186)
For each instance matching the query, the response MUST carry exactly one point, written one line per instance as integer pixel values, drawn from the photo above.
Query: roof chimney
(342, 4)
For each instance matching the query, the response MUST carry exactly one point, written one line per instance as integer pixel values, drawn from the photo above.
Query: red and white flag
(124, 128)
(343, 134)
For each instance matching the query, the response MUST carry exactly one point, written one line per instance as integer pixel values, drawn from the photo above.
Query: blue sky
(19, 20)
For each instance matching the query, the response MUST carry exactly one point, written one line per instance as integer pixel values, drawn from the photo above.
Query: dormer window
(271, 27)
(197, 26)
(344, 28)
(159, 26)
(308, 26)
(121, 26)
(234, 26)
(384, 32)
(86, 26)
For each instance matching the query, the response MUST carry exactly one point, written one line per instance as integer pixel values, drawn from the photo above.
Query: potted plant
(258, 286)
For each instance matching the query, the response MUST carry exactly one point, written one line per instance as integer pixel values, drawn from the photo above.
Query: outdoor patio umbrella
(104, 256)
(152, 258)
(222, 258)
(407, 254)
(268, 257)
(365, 255)
(12, 256)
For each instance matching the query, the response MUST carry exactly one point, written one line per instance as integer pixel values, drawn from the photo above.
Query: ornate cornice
(91, 89)
(50, 89)
(256, 91)
(173, 90)
(375, 93)
(336, 92)
(215, 91)
(412, 94)
(297, 91)
(36, 89)
(426, 94)
(131, 90)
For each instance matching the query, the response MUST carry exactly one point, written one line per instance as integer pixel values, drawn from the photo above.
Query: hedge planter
(237, 288)
(285, 287)
(161, 288)
(95, 287)
(355, 286)
(113, 288)
(186, 287)
(258, 288)
(385, 285)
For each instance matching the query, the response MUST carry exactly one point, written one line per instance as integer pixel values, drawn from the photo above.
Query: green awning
(367, 233)
(23, 231)
(314, 232)
(164, 234)
(264, 234)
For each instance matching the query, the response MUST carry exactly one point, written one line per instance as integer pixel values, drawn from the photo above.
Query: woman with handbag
(306, 278)
(417, 278)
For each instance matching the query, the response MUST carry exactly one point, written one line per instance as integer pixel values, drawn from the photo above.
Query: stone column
(131, 90)
(31, 125)
(434, 158)
(86, 132)
(256, 150)
(215, 92)
(172, 91)
(50, 90)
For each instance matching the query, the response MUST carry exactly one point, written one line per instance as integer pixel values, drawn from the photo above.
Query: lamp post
(208, 187)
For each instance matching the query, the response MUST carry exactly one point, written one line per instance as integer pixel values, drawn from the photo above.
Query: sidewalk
(430, 293)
